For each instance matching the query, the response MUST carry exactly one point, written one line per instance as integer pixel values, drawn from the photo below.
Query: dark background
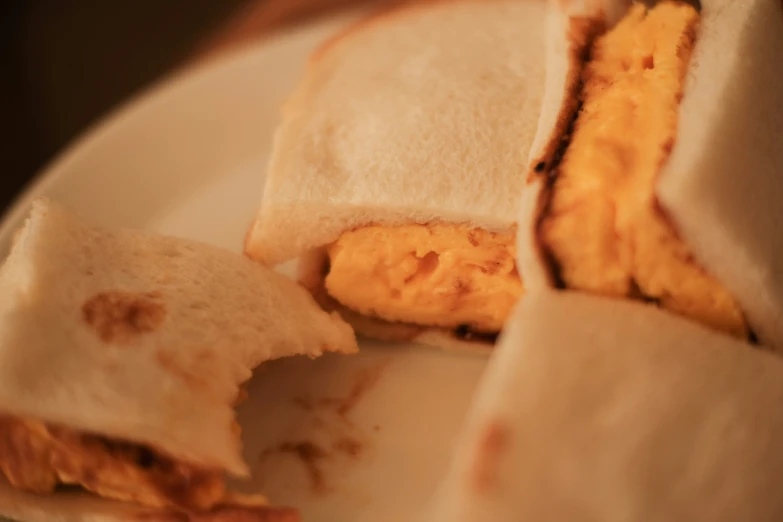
(64, 63)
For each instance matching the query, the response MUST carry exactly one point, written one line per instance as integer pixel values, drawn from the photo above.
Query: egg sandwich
(122, 357)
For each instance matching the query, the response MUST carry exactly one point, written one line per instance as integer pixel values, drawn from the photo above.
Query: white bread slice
(722, 185)
(596, 409)
(424, 113)
(144, 338)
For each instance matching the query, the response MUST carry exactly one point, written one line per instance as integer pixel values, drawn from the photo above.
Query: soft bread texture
(597, 409)
(75, 506)
(144, 338)
(721, 186)
(412, 117)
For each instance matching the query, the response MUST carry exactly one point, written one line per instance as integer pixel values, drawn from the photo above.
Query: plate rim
(178, 78)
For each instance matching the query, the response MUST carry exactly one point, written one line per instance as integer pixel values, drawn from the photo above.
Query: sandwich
(639, 378)
(408, 147)
(398, 166)
(655, 174)
(122, 355)
(594, 408)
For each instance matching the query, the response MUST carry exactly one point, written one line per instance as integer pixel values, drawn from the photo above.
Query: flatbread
(144, 339)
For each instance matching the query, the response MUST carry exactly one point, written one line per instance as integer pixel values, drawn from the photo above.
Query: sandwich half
(594, 408)
(626, 386)
(408, 147)
(122, 355)
(397, 169)
(656, 170)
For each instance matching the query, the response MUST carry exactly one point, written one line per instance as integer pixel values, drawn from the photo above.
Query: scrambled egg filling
(604, 228)
(38, 457)
(440, 275)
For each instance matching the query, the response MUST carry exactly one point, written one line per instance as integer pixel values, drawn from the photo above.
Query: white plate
(343, 438)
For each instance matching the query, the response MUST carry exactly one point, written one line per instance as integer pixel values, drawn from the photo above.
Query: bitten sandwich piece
(627, 198)
(122, 355)
(602, 409)
(401, 157)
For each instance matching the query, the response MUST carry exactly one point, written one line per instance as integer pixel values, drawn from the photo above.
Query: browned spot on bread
(119, 317)
(493, 443)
